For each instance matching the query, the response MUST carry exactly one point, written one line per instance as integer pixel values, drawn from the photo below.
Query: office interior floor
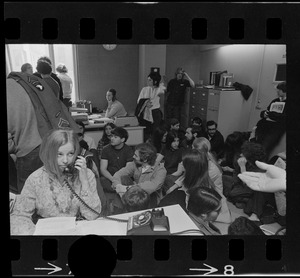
(268, 229)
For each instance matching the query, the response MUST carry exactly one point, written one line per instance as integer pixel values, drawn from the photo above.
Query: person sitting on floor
(242, 226)
(204, 206)
(105, 140)
(114, 157)
(135, 198)
(90, 141)
(174, 125)
(255, 203)
(191, 133)
(194, 173)
(214, 170)
(144, 173)
(172, 154)
(215, 138)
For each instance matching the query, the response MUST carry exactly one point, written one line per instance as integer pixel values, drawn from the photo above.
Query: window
(19, 54)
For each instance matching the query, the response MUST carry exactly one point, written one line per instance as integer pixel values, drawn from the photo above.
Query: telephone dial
(149, 223)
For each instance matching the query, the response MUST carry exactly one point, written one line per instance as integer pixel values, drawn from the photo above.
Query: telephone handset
(70, 169)
(149, 223)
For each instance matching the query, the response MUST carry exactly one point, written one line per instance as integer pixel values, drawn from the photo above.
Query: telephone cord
(65, 182)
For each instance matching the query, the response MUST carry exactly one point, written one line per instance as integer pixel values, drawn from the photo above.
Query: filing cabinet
(227, 108)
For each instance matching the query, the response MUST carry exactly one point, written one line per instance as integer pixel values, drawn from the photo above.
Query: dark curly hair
(252, 152)
(282, 86)
(243, 226)
(43, 67)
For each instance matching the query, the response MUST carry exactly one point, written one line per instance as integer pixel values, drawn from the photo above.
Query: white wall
(251, 65)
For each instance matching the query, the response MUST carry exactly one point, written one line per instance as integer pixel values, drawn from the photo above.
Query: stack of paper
(56, 226)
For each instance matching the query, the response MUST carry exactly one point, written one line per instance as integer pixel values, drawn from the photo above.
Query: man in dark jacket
(215, 138)
(53, 75)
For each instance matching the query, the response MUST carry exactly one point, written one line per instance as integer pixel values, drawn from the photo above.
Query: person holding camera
(176, 92)
(50, 191)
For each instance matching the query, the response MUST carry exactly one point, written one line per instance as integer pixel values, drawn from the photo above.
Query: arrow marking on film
(210, 269)
(55, 269)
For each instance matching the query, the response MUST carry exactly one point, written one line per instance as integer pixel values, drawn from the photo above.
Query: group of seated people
(195, 169)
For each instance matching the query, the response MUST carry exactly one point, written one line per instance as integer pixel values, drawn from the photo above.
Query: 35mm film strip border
(50, 29)
(156, 23)
(195, 23)
(149, 255)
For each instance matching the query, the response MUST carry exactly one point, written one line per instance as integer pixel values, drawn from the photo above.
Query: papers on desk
(179, 221)
(101, 227)
(55, 226)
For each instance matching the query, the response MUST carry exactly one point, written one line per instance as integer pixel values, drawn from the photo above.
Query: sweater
(48, 198)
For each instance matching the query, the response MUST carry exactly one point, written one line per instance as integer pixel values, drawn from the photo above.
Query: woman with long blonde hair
(214, 170)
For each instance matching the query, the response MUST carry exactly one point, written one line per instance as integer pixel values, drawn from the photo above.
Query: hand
(80, 165)
(121, 189)
(266, 114)
(272, 181)
(242, 163)
(149, 104)
(227, 169)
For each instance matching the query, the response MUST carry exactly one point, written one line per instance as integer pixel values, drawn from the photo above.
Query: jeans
(27, 165)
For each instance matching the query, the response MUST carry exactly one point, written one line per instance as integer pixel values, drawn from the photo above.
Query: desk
(135, 133)
(178, 220)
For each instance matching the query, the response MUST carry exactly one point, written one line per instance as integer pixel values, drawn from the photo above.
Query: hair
(281, 86)
(114, 93)
(252, 152)
(43, 67)
(52, 141)
(157, 136)
(210, 123)
(25, 67)
(203, 200)
(243, 226)
(120, 132)
(136, 198)
(232, 146)
(195, 164)
(45, 58)
(197, 120)
(178, 70)
(62, 68)
(156, 77)
(147, 153)
(170, 139)
(174, 121)
(202, 144)
(105, 139)
(196, 129)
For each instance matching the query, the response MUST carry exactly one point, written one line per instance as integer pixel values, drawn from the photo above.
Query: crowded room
(146, 139)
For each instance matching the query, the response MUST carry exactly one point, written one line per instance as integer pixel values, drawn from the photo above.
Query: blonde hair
(52, 141)
(202, 144)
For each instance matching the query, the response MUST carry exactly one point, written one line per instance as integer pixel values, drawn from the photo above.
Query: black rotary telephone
(149, 223)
